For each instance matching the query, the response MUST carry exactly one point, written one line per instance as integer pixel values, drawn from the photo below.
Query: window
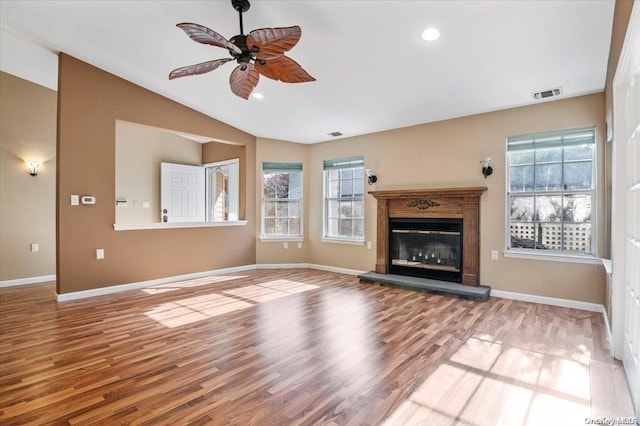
(222, 190)
(551, 191)
(281, 200)
(344, 199)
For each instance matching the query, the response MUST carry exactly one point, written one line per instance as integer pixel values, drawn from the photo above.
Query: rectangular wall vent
(548, 93)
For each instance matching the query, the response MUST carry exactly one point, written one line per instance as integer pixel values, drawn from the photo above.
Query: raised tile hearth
(480, 293)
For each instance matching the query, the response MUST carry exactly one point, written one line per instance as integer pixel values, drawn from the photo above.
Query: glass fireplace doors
(428, 248)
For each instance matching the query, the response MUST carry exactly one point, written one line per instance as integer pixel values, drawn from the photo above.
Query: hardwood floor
(299, 347)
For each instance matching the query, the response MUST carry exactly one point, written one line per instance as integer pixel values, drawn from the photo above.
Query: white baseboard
(308, 266)
(166, 280)
(593, 307)
(607, 326)
(566, 303)
(149, 283)
(335, 269)
(282, 265)
(25, 281)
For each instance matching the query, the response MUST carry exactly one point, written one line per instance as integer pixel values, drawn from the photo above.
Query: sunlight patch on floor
(270, 290)
(486, 383)
(187, 311)
(476, 353)
(548, 409)
(198, 308)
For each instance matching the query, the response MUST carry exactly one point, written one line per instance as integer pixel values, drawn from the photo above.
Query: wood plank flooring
(299, 347)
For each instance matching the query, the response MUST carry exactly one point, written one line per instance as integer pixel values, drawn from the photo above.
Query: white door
(182, 190)
(626, 208)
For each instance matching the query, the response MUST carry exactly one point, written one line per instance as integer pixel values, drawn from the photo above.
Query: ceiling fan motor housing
(242, 58)
(240, 5)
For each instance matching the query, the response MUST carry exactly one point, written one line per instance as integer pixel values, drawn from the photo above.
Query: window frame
(553, 254)
(233, 203)
(282, 168)
(349, 163)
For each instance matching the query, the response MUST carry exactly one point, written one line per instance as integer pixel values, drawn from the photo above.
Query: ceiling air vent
(548, 93)
(335, 134)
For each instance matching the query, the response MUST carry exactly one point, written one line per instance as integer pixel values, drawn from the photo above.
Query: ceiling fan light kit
(262, 51)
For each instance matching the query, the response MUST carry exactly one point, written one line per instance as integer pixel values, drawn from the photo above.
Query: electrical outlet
(494, 255)
(299, 244)
(35, 247)
(368, 245)
(285, 245)
(75, 200)
(99, 253)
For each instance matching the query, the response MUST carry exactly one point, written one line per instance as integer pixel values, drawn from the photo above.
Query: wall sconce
(371, 176)
(486, 167)
(32, 167)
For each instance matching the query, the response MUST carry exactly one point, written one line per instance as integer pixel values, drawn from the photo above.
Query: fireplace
(431, 233)
(427, 248)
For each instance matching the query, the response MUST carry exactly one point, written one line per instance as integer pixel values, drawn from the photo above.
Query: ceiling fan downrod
(241, 6)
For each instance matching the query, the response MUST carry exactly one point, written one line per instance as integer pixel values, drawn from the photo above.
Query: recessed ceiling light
(430, 34)
(257, 95)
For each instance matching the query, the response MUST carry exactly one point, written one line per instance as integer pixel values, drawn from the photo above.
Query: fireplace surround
(454, 205)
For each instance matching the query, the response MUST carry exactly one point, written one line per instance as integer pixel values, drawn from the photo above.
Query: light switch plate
(35, 247)
(75, 200)
(285, 245)
(99, 253)
(494, 255)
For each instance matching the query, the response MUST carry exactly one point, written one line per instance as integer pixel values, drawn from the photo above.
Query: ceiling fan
(259, 52)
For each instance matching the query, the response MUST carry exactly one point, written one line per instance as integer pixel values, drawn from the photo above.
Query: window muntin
(344, 199)
(281, 200)
(551, 192)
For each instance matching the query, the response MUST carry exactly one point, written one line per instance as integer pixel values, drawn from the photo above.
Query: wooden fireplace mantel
(455, 203)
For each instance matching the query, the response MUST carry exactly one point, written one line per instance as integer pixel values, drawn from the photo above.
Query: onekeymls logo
(611, 421)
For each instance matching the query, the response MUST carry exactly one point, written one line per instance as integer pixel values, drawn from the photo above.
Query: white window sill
(174, 225)
(554, 257)
(281, 239)
(342, 241)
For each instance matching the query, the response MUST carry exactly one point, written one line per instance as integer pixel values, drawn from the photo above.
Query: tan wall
(139, 152)
(282, 152)
(446, 154)
(27, 204)
(89, 103)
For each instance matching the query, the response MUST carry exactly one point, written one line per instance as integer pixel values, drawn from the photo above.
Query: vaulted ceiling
(374, 71)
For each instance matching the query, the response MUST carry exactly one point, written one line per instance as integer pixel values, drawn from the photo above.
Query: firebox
(426, 247)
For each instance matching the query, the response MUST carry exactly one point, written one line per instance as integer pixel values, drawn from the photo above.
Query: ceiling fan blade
(273, 42)
(204, 35)
(243, 82)
(197, 68)
(283, 69)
